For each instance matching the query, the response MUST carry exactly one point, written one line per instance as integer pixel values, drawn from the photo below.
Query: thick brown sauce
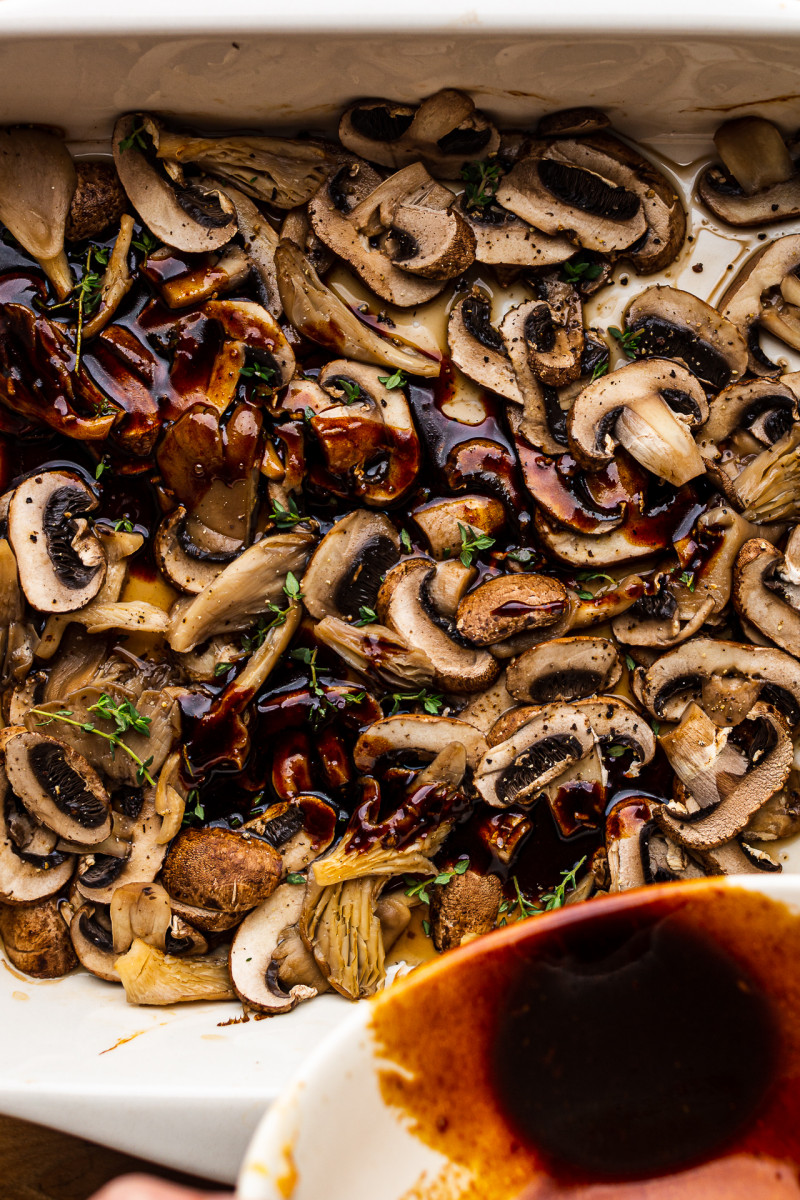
(653, 1034)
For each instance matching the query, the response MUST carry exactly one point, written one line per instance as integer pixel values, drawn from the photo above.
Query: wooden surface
(40, 1164)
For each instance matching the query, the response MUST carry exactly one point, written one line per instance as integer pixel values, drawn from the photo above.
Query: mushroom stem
(659, 441)
(59, 273)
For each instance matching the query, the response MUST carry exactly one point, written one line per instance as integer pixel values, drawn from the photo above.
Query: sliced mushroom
(663, 860)
(26, 875)
(441, 521)
(443, 132)
(403, 606)
(187, 566)
(626, 822)
(649, 407)
(38, 182)
(704, 761)
(779, 817)
(60, 559)
(541, 417)
(554, 332)
(36, 939)
(300, 830)
(116, 281)
(682, 675)
(138, 859)
(478, 349)
(668, 323)
(220, 869)
(242, 591)
(509, 604)
(139, 910)
(376, 650)
(754, 299)
(564, 669)
(420, 735)
(151, 977)
(58, 787)
(317, 313)
(190, 218)
(502, 239)
(744, 417)
(617, 723)
(260, 243)
(253, 969)
(768, 487)
(465, 907)
(736, 857)
(764, 593)
(93, 943)
(758, 181)
(517, 770)
(580, 188)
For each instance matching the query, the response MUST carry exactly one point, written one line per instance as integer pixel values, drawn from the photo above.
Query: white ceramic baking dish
(171, 1084)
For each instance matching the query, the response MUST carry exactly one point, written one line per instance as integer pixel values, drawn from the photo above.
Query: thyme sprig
(420, 888)
(471, 543)
(482, 180)
(628, 341)
(124, 715)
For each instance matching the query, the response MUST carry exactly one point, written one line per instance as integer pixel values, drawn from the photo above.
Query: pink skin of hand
(142, 1187)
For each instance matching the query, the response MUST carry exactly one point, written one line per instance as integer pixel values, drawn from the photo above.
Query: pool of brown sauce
(643, 1047)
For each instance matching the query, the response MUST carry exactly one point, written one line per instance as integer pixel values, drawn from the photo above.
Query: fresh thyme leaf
(616, 751)
(482, 180)
(124, 715)
(123, 525)
(628, 341)
(426, 928)
(285, 518)
(296, 878)
(471, 543)
(354, 697)
(600, 370)
(252, 641)
(260, 371)
(580, 268)
(291, 587)
(102, 255)
(630, 663)
(222, 668)
(145, 242)
(431, 703)
(589, 575)
(309, 657)
(557, 897)
(366, 616)
(352, 391)
(136, 138)
(584, 595)
(656, 727)
(687, 579)
(101, 466)
(405, 540)
(390, 382)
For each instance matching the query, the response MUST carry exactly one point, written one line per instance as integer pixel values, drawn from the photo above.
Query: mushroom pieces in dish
(388, 592)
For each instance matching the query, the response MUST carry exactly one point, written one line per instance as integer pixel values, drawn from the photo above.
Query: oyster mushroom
(60, 559)
(443, 132)
(766, 590)
(421, 735)
(686, 674)
(37, 183)
(150, 976)
(517, 770)
(260, 243)
(649, 407)
(564, 669)
(758, 181)
(139, 910)
(376, 650)
(317, 313)
(116, 281)
(508, 605)
(742, 419)
(754, 299)
(402, 607)
(190, 217)
(768, 487)
(478, 349)
(58, 787)
(252, 965)
(341, 927)
(671, 324)
(343, 575)
(242, 591)
(220, 869)
(466, 907)
(36, 939)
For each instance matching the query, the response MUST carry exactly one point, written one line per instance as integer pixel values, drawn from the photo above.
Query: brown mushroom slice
(625, 824)
(759, 182)
(208, 920)
(594, 550)
(300, 830)
(58, 787)
(736, 857)
(769, 757)
(99, 876)
(421, 734)
(190, 218)
(283, 172)
(330, 212)
(427, 235)
(573, 187)
(478, 349)
(341, 927)
(765, 596)
(441, 521)
(664, 860)
(517, 770)
(220, 869)
(318, 314)
(187, 566)
(704, 761)
(485, 709)
(554, 332)
(466, 907)
(242, 591)
(760, 408)
(502, 239)
(535, 422)
(678, 677)
(36, 939)
(93, 944)
(668, 323)
(649, 407)
(443, 132)
(150, 976)
(60, 559)
(249, 326)
(753, 299)
(404, 607)
(616, 722)
(260, 243)
(116, 281)
(297, 228)
(26, 877)
(779, 817)
(252, 964)
(37, 183)
(564, 669)
(378, 651)
(509, 604)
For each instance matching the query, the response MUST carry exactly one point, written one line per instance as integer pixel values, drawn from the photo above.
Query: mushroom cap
(143, 856)
(191, 219)
(478, 349)
(58, 787)
(98, 202)
(564, 669)
(509, 604)
(465, 907)
(343, 574)
(614, 720)
(679, 325)
(422, 735)
(744, 300)
(251, 958)
(516, 770)
(220, 869)
(763, 408)
(403, 607)
(60, 560)
(760, 596)
(759, 182)
(36, 939)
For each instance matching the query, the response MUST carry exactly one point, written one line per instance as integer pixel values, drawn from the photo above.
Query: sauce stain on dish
(647, 1047)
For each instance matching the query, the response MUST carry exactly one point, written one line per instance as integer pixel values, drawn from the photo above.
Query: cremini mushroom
(421, 735)
(252, 961)
(564, 669)
(36, 939)
(477, 348)
(755, 300)
(766, 590)
(465, 907)
(758, 181)
(670, 324)
(508, 605)
(98, 201)
(220, 869)
(516, 770)
(442, 521)
(58, 787)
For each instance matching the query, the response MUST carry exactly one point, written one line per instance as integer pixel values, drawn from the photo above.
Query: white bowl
(177, 1088)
